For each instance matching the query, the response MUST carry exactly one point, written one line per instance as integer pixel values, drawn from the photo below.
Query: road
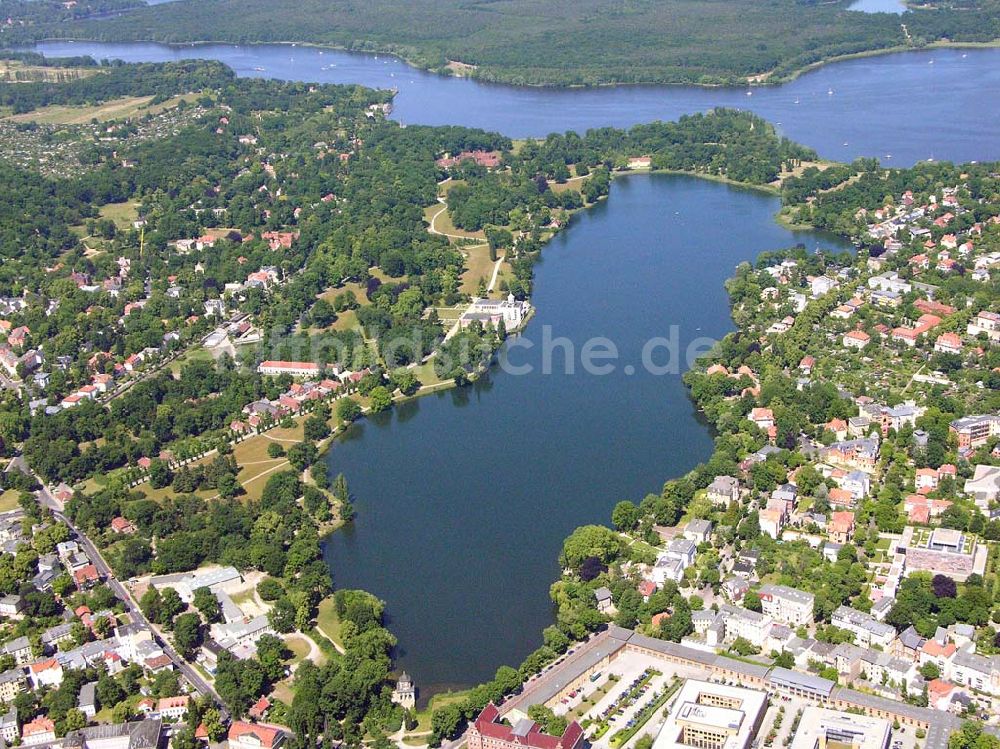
(48, 500)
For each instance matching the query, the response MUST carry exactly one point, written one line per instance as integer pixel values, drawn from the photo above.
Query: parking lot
(628, 669)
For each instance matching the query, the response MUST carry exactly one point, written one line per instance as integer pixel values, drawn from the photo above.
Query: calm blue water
(462, 510)
(942, 104)
(464, 498)
(865, 6)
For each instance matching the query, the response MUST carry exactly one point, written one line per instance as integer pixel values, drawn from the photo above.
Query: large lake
(464, 498)
(941, 104)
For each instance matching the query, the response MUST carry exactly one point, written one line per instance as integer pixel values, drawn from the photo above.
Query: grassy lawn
(327, 620)
(477, 266)
(299, 647)
(8, 500)
(123, 214)
(426, 375)
(195, 353)
(244, 596)
(15, 71)
(438, 214)
(438, 700)
(283, 691)
(359, 290)
(116, 109)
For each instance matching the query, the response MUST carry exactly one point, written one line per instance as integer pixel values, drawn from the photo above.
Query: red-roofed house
(86, 576)
(259, 709)
(841, 527)
(841, 497)
(487, 732)
(122, 527)
(857, 339)
(41, 730)
(938, 654)
(939, 694)
(838, 427)
(46, 673)
(948, 343)
(254, 736)
(173, 707)
(926, 479)
(807, 364)
(159, 663)
(932, 307)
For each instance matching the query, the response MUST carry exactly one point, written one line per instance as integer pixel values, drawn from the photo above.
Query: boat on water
(259, 69)
(829, 92)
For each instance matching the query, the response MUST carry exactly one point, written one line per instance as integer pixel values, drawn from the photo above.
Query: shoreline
(766, 79)
(324, 447)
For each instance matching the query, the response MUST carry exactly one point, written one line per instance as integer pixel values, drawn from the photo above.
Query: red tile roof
(266, 735)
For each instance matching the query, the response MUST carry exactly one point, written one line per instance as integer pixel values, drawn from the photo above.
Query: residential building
(86, 703)
(987, 323)
(605, 604)
(974, 431)
(20, 648)
(12, 683)
(254, 736)
(867, 631)
(840, 529)
(9, 729)
(12, 606)
(724, 490)
(47, 673)
(772, 521)
(174, 708)
(787, 605)
(856, 339)
(698, 531)
(41, 730)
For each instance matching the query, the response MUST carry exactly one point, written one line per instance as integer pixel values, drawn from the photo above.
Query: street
(47, 500)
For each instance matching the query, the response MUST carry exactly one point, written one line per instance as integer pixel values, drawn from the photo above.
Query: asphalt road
(48, 500)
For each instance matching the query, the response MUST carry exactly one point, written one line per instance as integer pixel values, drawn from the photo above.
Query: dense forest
(555, 42)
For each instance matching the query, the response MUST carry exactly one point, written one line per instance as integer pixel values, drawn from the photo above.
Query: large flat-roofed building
(798, 684)
(943, 551)
(820, 728)
(712, 716)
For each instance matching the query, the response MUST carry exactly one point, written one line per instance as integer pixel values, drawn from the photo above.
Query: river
(464, 497)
